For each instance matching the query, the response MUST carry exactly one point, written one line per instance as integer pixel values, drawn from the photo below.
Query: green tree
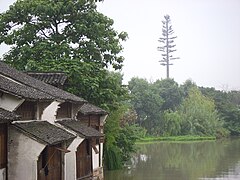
(169, 90)
(227, 104)
(120, 140)
(126, 141)
(186, 86)
(199, 115)
(65, 35)
(146, 103)
(73, 37)
(171, 123)
(112, 153)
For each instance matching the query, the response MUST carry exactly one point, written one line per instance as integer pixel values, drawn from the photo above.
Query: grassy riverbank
(176, 138)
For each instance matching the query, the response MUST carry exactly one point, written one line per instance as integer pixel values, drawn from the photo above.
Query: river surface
(209, 160)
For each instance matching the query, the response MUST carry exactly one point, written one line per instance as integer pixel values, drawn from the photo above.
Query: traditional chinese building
(44, 130)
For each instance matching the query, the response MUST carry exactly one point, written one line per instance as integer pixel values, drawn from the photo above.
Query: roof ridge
(27, 80)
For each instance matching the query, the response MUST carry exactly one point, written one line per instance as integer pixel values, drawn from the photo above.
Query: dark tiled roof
(23, 78)
(91, 109)
(6, 116)
(53, 78)
(80, 128)
(44, 132)
(21, 90)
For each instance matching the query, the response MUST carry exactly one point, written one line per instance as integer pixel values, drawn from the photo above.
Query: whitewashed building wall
(22, 156)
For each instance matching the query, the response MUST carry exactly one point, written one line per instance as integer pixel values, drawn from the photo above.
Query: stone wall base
(98, 174)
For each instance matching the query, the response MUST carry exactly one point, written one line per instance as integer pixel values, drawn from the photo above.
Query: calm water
(210, 160)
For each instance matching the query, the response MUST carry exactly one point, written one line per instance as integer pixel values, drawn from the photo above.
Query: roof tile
(23, 78)
(88, 108)
(6, 116)
(44, 132)
(53, 78)
(80, 128)
(21, 90)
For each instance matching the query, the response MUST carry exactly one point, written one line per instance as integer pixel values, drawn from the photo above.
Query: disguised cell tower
(168, 46)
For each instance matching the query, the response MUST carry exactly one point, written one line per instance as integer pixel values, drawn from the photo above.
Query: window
(64, 110)
(27, 110)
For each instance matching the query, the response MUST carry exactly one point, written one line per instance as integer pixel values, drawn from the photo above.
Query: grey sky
(208, 40)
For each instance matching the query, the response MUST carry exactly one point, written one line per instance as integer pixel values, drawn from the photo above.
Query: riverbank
(175, 138)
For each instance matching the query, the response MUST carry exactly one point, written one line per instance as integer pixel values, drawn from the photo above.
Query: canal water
(209, 160)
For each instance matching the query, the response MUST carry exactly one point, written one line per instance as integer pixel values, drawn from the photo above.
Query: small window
(64, 110)
(27, 110)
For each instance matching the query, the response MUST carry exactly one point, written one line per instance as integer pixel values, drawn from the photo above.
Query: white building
(59, 135)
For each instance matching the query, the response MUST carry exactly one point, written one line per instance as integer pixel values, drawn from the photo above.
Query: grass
(176, 138)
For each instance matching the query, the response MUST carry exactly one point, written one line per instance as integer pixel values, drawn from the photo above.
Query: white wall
(70, 159)
(75, 110)
(95, 158)
(103, 119)
(22, 156)
(101, 150)
(3, 174)
(50, 112)
(9, 102)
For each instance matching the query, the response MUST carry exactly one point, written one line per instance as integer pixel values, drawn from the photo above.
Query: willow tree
(168, 47)
(199, 115)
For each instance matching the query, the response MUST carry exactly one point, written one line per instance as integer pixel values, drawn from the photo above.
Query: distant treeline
(165, 108)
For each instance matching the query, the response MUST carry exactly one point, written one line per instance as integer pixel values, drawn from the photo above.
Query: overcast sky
(208, 39)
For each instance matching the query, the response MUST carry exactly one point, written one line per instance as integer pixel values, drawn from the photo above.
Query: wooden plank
(3, 146)
(84, 159)
(50, 164)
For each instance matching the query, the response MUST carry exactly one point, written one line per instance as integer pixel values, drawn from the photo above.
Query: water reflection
(211, 160)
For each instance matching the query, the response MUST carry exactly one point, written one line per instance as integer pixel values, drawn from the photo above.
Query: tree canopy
(199, 115)
(69, 36)
(146, 102)
(165, 108)
(42, 30)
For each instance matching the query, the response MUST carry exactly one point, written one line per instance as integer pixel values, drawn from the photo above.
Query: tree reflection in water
(183, 161)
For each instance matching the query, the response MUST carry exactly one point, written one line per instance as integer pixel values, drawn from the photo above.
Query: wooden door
(3, 146)
(50, 164)
(84, 160)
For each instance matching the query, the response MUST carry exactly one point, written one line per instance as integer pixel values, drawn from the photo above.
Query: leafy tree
(126, 141)
(170, 92)
(112, 153)
(186, 86)
(120, 141)
(65, 35)
(73, 37)
(234, 97)
(227, 106)
(130, 117)
(232, 112)
(146, 103)
(171, 123)
(168, 46)
(199, 116)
